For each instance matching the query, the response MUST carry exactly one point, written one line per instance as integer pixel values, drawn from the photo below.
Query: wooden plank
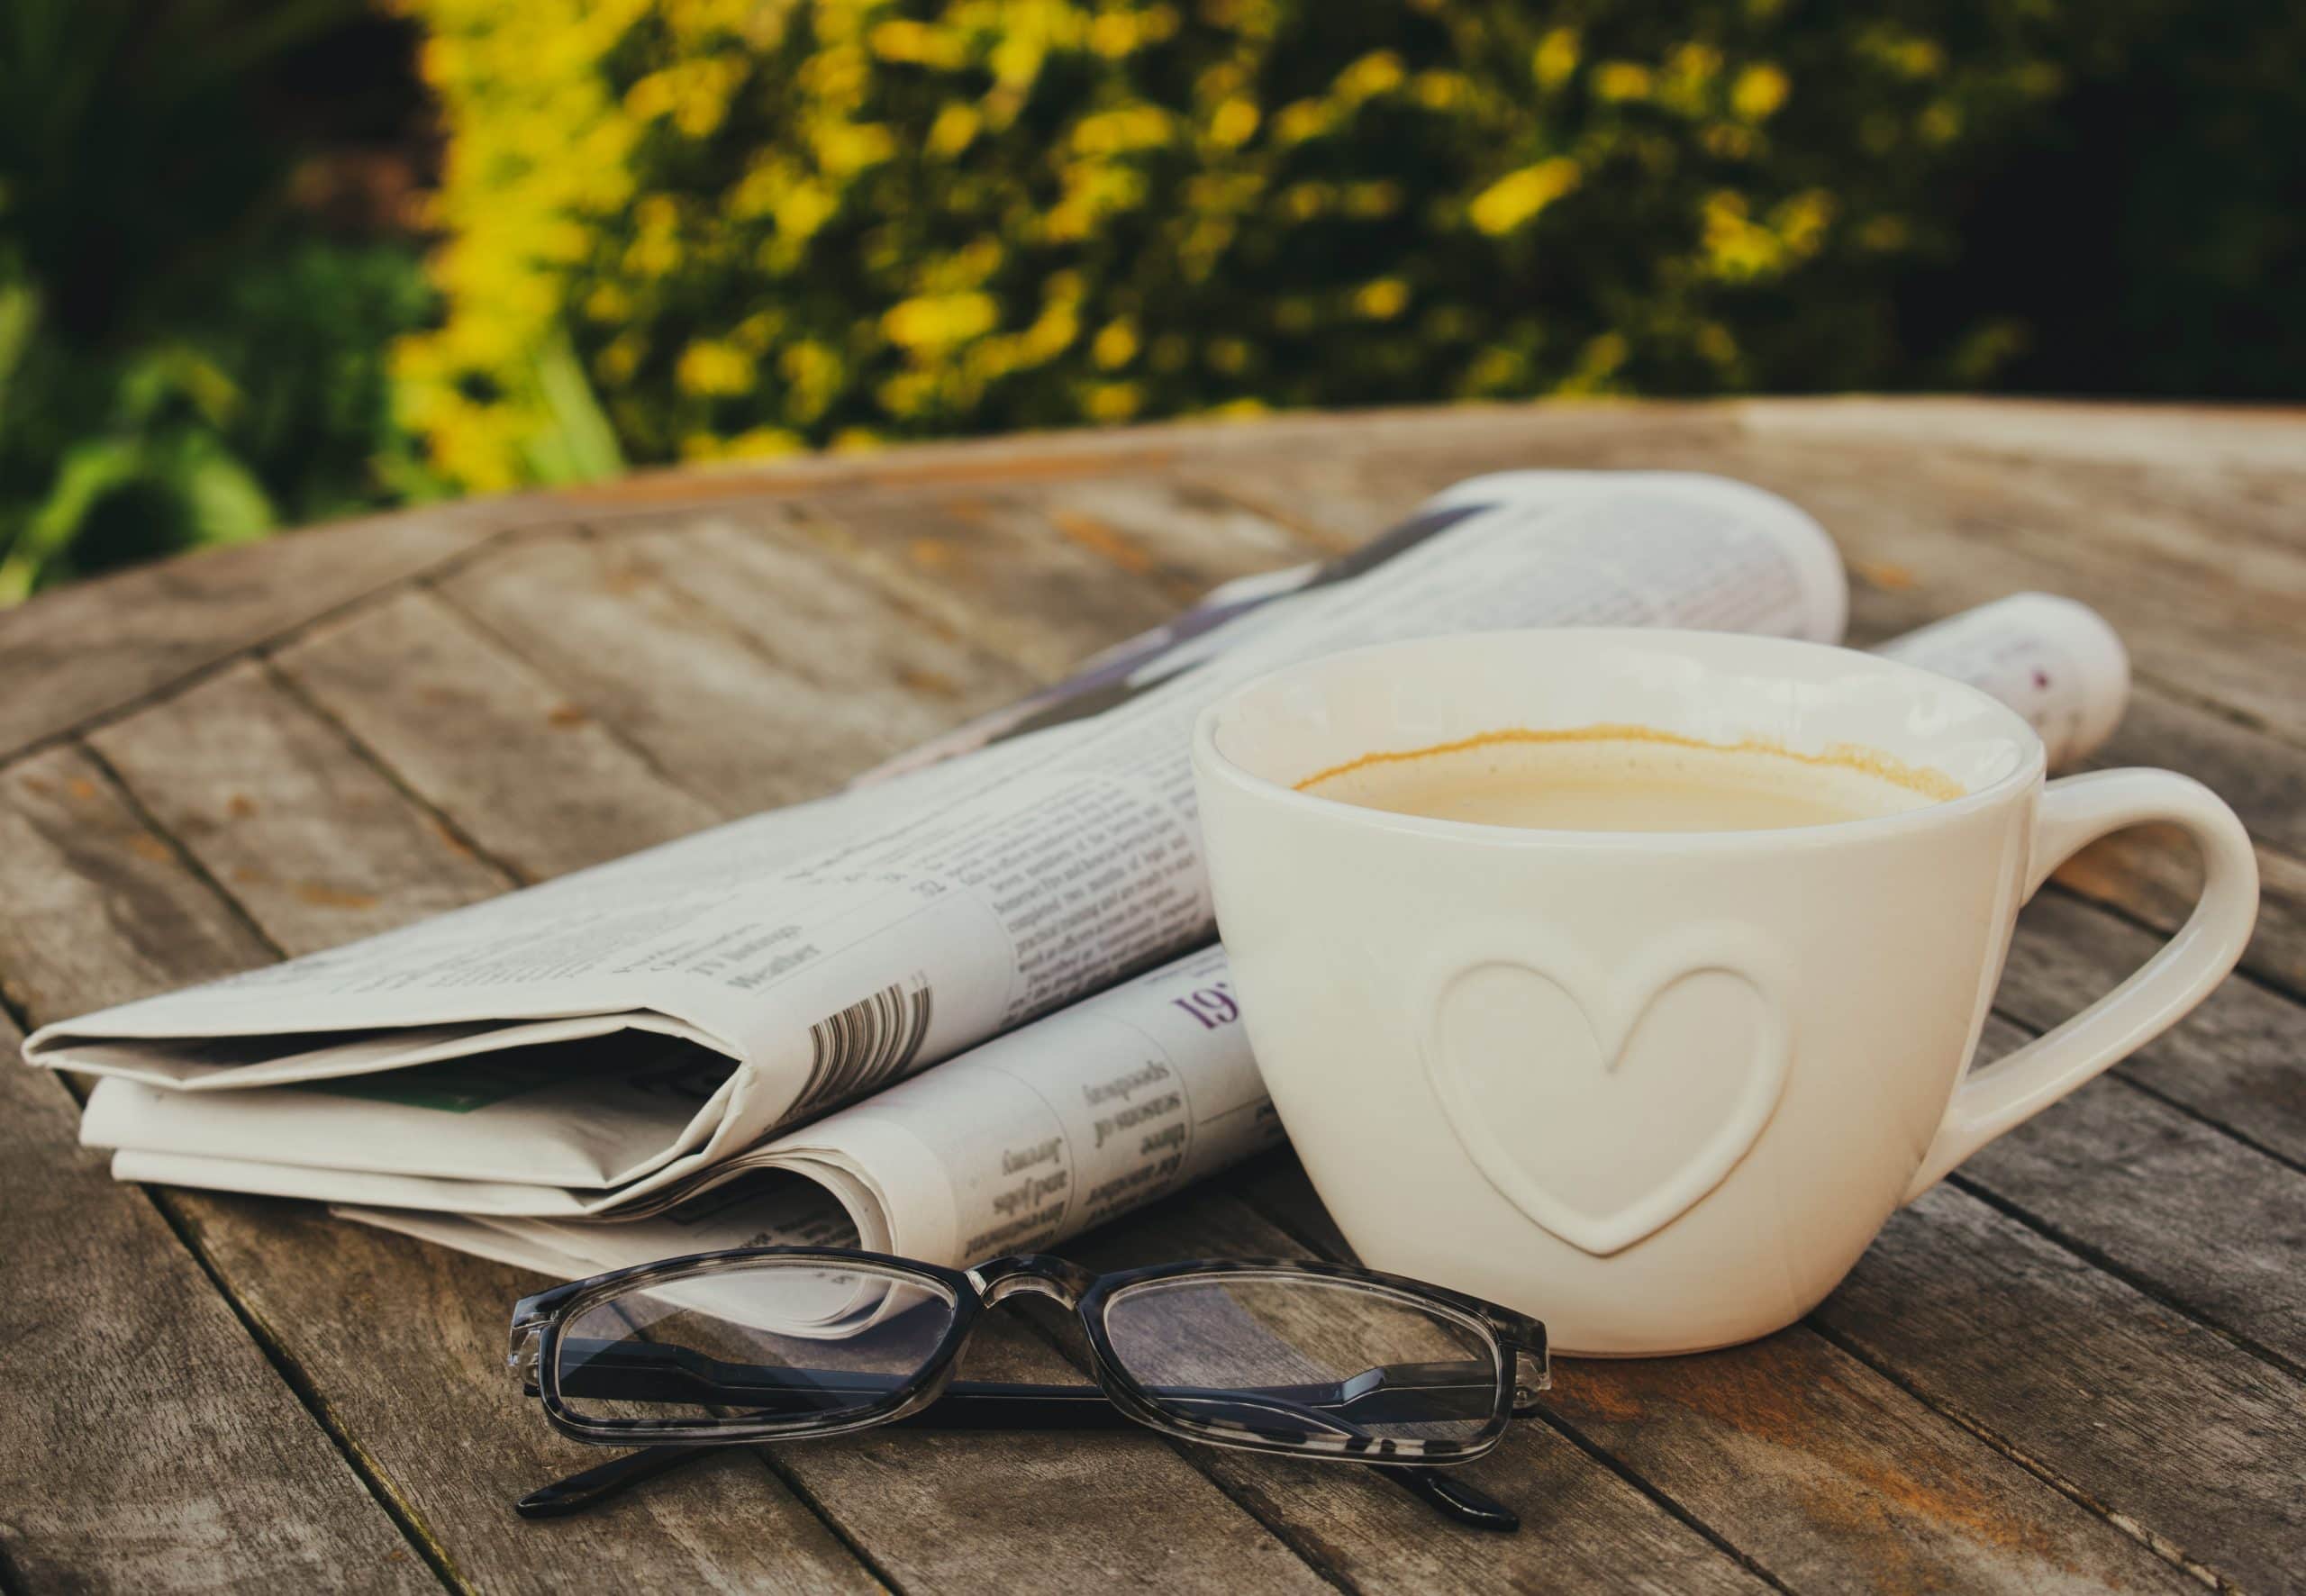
(1180, 537)
(2227, 528)
(729, 725)
(824, 623)
(976, 566)
(2177, 1206)
(675, 633)
(403, 1345)
(1049, 576)
(1813, 1466)
(2215, 442)
(92, 649)
(95, 648)
(100, 910)
(1121, 546)
(2233, 514)
(1960, 530)
(148, 1445)
(2233, 1061)
(2146, 1415)
(624, 627)
(529, 777)
(946, 1512)
(1348, 488)
(1836, 1479)
(1584, 1526)
(316, 845)
(2151, 872)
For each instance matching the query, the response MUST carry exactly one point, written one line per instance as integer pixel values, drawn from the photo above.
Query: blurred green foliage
(699, 229)
(759, 227)
(183, 359)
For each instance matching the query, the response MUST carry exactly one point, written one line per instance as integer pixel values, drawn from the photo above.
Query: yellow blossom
(1514, 199)
(1760, 90)
(954, 129)
(1622, 80)
(1112, 402)
(1115, 345)
(710, 368)
(1556, 57)
(1381, 299)
(938, 321)
(1233, 122)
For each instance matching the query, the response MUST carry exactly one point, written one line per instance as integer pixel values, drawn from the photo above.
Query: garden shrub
(185, 358)
(697, 229)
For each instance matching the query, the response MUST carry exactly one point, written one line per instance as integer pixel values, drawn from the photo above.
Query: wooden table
(2080, 1363)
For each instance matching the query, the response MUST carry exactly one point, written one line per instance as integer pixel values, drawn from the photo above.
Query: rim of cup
(1211, 762)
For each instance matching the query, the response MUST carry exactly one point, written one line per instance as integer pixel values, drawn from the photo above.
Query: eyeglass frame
(1516, 1341)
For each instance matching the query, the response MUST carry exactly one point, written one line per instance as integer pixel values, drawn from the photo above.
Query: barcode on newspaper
(865, 1045)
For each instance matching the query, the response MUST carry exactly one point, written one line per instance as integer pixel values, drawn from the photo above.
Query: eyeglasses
(787, 1343)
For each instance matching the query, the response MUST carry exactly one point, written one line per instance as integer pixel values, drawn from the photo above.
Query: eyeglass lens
(773, 1338)
(1300, 1358)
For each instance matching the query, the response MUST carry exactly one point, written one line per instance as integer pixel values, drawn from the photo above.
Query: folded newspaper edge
(534, 1126)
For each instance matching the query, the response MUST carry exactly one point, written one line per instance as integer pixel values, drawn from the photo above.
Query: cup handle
(2074, 812)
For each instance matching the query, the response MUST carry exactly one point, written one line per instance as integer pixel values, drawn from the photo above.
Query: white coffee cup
(1660, 1090)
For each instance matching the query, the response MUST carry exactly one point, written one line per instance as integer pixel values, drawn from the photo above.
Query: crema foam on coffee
(1631, 778)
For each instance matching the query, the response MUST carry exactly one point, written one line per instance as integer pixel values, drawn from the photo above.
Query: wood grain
(403, 1344)
(1811, 1466)
(2175, 1206)
(2151, 873)
(636, 646)
(529, 775)
(1057, 1513)
(315, 843)
(148, 1444)
(99, 908)
(897, 669)
(1584, 1526)
(406, 1343)
(1344, 490)
(1961, 531)
(971, 562)
(2129, 1406)
(2234, 1060)
(90, 648)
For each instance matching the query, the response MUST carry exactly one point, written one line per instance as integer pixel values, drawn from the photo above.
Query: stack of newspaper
(728, 1041)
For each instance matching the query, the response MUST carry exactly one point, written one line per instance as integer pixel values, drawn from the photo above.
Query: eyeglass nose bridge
(1031, 1274)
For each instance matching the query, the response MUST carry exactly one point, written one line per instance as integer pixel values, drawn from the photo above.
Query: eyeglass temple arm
(1452, 1498)
(644, 1372)
(649, 1370)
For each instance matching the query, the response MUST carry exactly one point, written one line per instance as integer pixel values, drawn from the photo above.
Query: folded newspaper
(667, 1041)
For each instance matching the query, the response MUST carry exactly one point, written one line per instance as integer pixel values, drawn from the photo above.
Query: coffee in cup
(1628, 778)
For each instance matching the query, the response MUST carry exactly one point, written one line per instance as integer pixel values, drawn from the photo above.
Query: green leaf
(582, 445)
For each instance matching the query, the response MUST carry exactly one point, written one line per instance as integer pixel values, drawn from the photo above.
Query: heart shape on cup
(1689, 1054)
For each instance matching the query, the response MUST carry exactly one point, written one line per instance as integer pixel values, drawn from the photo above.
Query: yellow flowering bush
(700, 229)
